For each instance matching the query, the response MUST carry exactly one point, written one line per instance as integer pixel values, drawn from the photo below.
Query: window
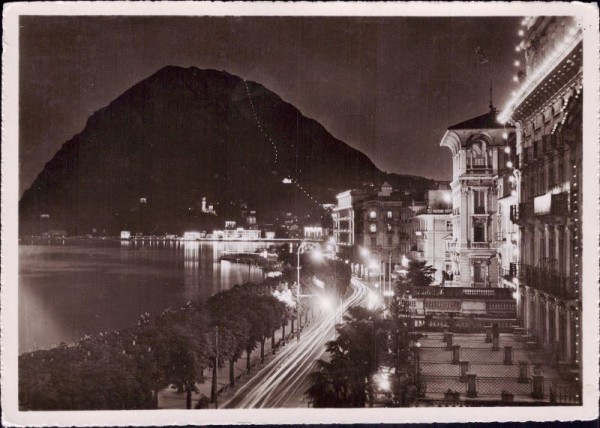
(373, 228)
(479, 232)
(389, 214)
(478, 272)
(448, 225)
(389, 228)
(373, 241)
(373, 214)
(479, 201)
(390, 240)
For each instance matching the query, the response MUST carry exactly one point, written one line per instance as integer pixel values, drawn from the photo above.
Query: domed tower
(478, 156)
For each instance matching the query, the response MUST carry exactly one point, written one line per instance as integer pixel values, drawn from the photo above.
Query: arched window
(479, 155)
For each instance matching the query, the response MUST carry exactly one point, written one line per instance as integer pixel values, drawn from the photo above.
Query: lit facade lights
(521, 33)
(509, 164)
(517, 63)
(516, 79)
(561, 50)
(505, 136)
(507, 150)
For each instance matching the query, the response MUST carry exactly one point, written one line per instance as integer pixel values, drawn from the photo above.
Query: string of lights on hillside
(286, 180)
(572, 38)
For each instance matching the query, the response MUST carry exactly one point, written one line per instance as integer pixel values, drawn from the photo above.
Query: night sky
(387, 86)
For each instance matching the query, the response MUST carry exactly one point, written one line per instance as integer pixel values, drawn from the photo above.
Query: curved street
(282, 382)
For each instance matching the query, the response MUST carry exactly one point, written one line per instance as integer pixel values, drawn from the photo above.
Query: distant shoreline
(154, 239)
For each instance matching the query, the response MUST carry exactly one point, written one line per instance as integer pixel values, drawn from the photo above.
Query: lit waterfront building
(237, 234)
(313, 232)
(547, 112)
(478, 156)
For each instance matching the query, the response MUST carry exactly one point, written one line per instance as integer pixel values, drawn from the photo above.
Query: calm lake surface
(70, 289)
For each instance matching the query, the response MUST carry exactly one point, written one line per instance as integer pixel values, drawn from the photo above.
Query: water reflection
(71, 289)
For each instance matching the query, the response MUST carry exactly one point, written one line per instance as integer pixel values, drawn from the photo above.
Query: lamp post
(298, 294)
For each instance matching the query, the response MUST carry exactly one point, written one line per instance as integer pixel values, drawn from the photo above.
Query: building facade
(547, 112)
(432, 233)
(478, 156)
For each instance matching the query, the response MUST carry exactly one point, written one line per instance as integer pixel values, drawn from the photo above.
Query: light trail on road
(282, 382)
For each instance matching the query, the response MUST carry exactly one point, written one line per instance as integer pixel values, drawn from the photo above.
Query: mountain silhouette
(183, 134)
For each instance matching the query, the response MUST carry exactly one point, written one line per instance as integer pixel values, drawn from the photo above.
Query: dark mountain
(182, 134)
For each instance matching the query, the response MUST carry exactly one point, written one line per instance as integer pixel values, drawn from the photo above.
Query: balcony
(461, 293)
(545, 207)
(479, 245)
(549, 282)
(430, 210)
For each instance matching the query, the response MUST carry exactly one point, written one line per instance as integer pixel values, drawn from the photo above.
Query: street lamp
(316, 254)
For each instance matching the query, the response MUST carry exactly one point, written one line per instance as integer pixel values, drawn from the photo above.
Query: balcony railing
(479, 245)
(429, 210)
(461, 293)
(540, 207)
(549, 282)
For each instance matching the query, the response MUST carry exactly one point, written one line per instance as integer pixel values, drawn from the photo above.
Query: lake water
(77, 288)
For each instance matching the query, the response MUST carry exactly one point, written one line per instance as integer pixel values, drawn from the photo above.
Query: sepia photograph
(210, 208)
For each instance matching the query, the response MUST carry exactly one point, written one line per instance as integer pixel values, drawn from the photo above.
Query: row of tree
(125, 369)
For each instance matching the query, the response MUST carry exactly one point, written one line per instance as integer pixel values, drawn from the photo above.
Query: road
(282, 382)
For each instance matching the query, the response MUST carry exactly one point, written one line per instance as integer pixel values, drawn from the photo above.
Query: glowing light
(509, 164)
(373, 300)
(191, 236)
(560, 51)
(507, 149)
(404, 261)
(516, 79)
(383, 381)
(511, 179)
(364, 252)
(517, 63)
(521, 33)
(317, 254)
(326, 303)
(318, 283)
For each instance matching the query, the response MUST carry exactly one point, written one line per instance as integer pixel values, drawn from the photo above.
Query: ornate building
(547, 112)
(478, 156)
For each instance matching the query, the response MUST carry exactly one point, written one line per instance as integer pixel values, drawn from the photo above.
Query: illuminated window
(373, 228)
(373, 214)
(389, 214)
(389, 227)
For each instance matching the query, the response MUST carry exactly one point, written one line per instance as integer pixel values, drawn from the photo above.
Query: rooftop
(485, 121)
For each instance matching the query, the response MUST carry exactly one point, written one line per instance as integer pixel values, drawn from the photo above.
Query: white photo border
(10, 177)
